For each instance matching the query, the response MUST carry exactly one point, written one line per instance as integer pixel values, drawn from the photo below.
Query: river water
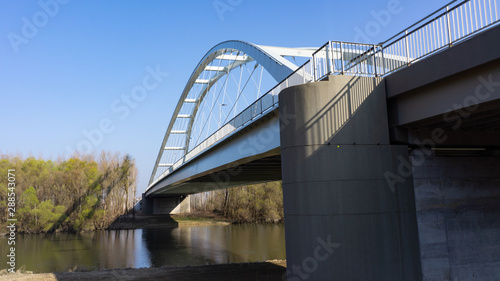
(150, 247)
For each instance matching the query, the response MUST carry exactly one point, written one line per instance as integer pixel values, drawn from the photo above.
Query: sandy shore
(270, 270)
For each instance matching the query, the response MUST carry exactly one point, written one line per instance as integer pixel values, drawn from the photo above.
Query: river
(149, 247)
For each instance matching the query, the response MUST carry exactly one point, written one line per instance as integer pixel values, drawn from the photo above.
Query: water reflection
(149, 247)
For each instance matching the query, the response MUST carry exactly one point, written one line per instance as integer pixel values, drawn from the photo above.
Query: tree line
(78, 194)
(254, 203)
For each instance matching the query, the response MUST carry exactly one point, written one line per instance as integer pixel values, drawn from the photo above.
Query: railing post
(327, 58)
(342, 57)
(314, 68)
(332, 58)
(375, 60)
(407, 48)
(383, 60)
(311, 65)
(448, 24)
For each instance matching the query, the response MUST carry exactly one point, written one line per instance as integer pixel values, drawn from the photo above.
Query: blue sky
(66, 65)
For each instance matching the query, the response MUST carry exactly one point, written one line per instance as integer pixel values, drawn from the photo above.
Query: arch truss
(229, 78)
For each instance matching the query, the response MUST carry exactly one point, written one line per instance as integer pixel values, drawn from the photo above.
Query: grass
(187, 219)
(21, 270)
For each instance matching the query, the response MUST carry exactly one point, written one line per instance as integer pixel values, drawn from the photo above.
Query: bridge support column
(146, 206)
(166, 205)
(349, 212)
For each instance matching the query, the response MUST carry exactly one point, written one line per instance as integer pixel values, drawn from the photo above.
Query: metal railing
(336, 57)
(452, 23)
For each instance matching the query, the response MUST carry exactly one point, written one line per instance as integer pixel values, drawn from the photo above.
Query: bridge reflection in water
(153, 247)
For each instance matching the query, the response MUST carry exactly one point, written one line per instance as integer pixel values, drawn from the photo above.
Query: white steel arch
(206, 76)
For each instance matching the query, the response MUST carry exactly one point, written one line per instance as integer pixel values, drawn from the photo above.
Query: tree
(28, 213)
(72, 194)
(260, 202)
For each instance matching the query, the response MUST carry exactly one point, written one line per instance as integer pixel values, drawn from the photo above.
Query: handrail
(418, 22)
(451, 24)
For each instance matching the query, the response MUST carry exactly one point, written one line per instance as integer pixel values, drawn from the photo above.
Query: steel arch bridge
(228, 79)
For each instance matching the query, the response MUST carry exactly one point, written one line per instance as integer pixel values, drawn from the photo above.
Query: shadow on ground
(274, 270)
(133, 222)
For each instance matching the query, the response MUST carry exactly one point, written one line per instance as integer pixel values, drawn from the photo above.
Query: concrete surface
(458, 214)
(334, 155)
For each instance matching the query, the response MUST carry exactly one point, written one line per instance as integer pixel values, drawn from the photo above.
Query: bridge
(388, 153)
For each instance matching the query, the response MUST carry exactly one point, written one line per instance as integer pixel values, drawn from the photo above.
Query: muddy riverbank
(270, 270)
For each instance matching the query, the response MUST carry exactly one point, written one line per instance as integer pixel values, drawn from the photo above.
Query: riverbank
(196, 218)
(158, 221)
(270, 270)
(180, 220)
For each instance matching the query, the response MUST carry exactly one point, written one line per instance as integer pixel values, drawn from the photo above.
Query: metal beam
(290, 52)
(232, 57)
(201, 81)
(213, 68)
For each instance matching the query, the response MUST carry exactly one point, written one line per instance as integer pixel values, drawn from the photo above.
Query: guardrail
(452, 23)
(337, 57)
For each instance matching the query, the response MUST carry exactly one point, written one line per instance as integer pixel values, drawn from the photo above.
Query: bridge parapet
(449, 25)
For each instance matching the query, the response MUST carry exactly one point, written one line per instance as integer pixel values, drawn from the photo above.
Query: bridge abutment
(166, 205)
(458, 214)
(348, 216)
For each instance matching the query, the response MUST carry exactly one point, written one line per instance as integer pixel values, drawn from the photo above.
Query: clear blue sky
(65, 64)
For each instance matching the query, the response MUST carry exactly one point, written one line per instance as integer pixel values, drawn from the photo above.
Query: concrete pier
(344, 217)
